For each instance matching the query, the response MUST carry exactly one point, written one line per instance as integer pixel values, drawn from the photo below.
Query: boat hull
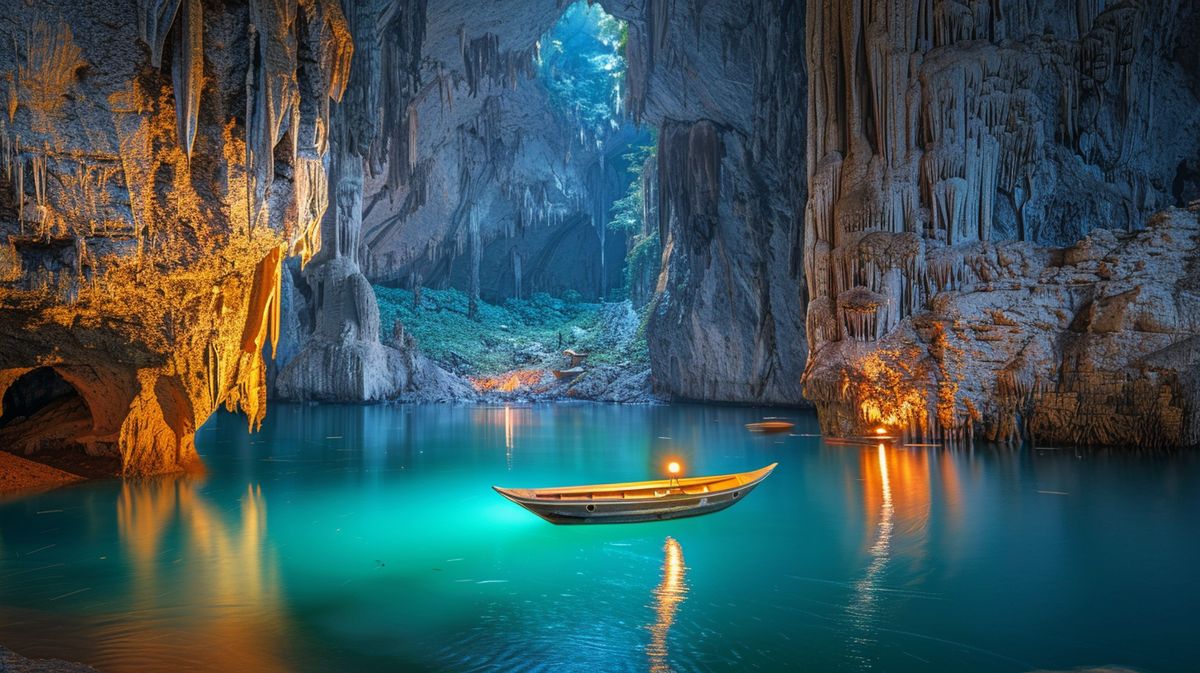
(770, 427)
(600, 511)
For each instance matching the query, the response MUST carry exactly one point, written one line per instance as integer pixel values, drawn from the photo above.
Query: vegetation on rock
(520, 334)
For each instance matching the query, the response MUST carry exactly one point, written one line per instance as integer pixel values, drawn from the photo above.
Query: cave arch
(42, 410)
(46, 413)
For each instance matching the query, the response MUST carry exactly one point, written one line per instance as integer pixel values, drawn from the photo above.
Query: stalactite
(187, 70)
(311, 189)
(272, 93)
(37, 165)
(19, 187)
(476, 244)
(517, 276)
(483, 61)
(214, 374)
(13, 101)
(403, 35)
(262, 321)
(155, 18)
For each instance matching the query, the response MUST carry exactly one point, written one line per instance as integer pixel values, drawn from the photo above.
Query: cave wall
(954, 148)
(337, 355)
(497, 170)
(724, 83)
(160, 161)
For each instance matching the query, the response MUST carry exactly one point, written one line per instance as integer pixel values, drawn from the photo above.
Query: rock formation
(449, 167)
(509, 194)
(724, 84)
(160, 161)
(939, 130)
(331, 310)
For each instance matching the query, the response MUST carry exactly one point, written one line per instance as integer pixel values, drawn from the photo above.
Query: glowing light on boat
(673, 467)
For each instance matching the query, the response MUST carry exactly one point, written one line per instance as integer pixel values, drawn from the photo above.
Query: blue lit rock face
(517, 157)
(725, 85)
(463, 159)
(945, 154)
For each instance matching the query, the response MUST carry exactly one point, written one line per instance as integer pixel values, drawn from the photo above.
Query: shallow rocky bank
(11, 662)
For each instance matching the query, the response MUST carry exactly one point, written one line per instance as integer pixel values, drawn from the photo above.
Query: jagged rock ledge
(1094, 344)
(11, 662)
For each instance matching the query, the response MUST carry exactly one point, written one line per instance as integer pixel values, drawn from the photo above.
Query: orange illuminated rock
(141, 236)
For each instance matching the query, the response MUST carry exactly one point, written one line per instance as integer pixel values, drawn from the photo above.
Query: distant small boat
(770, 427)
(637, 501)
(568, 373)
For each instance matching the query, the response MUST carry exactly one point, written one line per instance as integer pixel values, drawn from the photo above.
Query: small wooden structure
(637, 501)
(576, 358)
(567, 374)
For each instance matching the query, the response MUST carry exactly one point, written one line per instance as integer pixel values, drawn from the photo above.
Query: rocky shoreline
(11, 662)
(21, 475)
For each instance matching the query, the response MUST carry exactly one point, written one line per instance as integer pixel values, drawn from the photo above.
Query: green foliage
(583, 64)
(644, 259)
(627, 211)
(645, 251)
(522, 333)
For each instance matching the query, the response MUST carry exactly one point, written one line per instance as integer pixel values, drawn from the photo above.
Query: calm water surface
(369, 539)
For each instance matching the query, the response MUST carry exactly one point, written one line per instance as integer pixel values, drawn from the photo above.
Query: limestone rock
(939, 130)
(724, 83)
(1095, 344)
(11, 662)
(142, 236)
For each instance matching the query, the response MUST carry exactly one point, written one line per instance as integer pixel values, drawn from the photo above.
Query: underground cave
(320, 318)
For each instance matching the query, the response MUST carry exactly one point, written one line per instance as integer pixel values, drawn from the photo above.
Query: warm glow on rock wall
(143, 245)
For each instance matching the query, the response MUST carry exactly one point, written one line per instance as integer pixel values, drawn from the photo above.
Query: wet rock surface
(1094, 344)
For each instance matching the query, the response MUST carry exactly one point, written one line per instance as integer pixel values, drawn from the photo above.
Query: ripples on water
(368, 539)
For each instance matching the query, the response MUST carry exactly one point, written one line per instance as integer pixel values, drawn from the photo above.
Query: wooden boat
(770, 427)
(568, 373)
(637, 501)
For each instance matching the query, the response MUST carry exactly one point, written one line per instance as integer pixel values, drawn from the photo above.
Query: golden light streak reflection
(508, 436)
(184, 551)
(863, 609)
(669, 593)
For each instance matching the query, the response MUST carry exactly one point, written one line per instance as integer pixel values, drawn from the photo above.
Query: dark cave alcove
(46, 417)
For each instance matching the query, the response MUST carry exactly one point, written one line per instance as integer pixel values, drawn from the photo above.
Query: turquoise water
(369, 539)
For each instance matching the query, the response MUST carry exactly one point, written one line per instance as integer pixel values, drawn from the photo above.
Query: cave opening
(549, 247)
(36, 391)
(46, 418)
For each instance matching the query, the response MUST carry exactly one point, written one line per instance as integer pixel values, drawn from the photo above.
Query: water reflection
(669, 593)
(863, 608)
(183, 552)
(508, 436)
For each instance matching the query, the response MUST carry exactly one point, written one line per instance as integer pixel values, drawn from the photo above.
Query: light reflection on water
(369, 539)
(667, 596)
(863, 609)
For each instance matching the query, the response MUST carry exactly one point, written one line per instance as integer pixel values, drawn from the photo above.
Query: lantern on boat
(673, 468)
